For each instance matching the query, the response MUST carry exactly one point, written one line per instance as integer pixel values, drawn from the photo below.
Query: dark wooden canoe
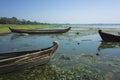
(109, 37)
(42, 31)
(12, 61)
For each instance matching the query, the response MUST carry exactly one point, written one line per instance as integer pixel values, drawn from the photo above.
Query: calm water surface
(95, 25)
(68, 44)
(73, 50)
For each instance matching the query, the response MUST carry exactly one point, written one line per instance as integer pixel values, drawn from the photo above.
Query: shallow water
(74, 51)
(68, 43)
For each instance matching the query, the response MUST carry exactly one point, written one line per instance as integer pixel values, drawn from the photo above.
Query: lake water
(73, 49)
(95, 25)
(68, 43)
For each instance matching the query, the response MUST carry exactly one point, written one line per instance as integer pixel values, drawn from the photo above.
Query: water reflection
(111, 49)
(108, 45)
(15, 36)
(70, 44)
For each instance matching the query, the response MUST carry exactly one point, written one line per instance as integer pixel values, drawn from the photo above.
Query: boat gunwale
(42, 31)
(54, 46)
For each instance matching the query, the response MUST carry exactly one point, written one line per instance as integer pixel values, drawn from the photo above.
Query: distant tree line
(14, 20)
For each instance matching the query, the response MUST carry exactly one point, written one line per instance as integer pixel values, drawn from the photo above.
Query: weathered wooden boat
(12, 61)
(42, 31)
(109, 37)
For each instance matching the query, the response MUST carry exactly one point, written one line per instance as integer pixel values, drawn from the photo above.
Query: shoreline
(4, 27)
(78, 29)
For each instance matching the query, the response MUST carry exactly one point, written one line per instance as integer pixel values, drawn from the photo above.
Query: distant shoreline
(94, 25)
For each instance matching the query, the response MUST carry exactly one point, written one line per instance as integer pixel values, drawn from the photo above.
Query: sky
(63, 11)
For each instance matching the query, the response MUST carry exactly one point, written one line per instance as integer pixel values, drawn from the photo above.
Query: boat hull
(28, 60)
(54, 31)
(109, 37)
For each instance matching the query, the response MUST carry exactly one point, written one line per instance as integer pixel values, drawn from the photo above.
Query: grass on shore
(4, 27)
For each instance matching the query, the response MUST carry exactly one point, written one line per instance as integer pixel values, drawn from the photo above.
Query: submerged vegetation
(77, 33)
(80, 67)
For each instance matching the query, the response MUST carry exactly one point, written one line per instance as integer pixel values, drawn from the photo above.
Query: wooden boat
(12, 61)
(109, 37)
(42, 31)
